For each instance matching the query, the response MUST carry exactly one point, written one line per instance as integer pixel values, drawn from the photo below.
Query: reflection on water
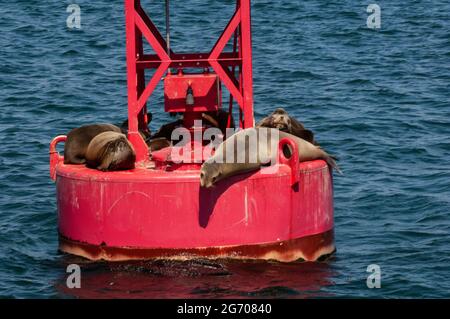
(199, 279)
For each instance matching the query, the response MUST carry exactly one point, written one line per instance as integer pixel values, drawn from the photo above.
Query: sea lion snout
(206, 181)
(209, 175)
(203, 182)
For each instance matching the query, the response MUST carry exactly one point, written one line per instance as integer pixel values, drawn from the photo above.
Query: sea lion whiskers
(331, 161)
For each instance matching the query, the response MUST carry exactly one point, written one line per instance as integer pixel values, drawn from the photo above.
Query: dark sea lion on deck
(79, 138)
(219, 166)
(281, 120)
(110, 151)
(165, 131)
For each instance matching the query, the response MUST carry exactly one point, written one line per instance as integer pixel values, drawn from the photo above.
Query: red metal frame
(139, 25)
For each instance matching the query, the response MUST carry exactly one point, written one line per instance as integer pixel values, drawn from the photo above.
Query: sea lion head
(281, 120)
(155, 144)
(116, 153)
(210, 173)
(123, 155)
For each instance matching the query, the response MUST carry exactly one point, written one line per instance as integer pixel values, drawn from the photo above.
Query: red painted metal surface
(206, 89)
(293, 161)
(55, 158)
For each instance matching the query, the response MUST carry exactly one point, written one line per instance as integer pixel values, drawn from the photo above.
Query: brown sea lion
(219, 166)
(110, 151)
(79, 138)
(281, 120)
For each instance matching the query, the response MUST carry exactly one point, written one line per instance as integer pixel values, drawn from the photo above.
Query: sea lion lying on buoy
(219, 166)
(79, 138)
(281, 120)
(110, 151)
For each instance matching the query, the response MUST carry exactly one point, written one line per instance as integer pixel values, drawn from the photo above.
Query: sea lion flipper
(334, 157)
(331, 162)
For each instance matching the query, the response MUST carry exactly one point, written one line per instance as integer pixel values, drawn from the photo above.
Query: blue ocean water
(378, 99)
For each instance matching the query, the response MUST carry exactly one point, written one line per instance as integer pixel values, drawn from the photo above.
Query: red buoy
(158, 209)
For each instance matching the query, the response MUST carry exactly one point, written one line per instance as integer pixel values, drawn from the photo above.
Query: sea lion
(219, 167)
(155, 144)
(166, 130)
(79, 138)
(110, 151)
(281, 120)
(145, 133)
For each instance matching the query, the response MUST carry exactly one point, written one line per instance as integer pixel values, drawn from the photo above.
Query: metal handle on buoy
(55, 158)
(293, 161)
